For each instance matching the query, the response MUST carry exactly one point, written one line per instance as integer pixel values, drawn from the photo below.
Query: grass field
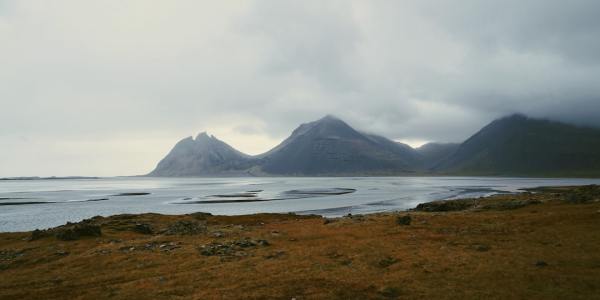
(541, 245)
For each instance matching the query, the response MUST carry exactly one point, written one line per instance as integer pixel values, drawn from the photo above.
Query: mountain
(432, 153)
(520, 146)
(329, 146)
(511, 146)
(203, 156)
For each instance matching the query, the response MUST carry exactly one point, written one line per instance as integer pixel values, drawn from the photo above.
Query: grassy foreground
(540, 245)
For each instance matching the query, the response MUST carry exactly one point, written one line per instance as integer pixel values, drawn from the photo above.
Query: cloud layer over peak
(117, 82)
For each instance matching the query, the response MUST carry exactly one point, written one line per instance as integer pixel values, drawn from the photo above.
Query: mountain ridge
(520, 145)
(515, 145)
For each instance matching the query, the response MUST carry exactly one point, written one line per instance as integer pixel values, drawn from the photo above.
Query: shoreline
(542, 243)
(23, 219)
(224, 176)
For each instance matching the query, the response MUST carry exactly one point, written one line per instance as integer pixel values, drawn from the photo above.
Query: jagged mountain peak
(325, 146)
(205, 155)
(203, 136)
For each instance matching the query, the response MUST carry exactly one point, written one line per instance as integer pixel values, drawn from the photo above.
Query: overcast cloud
(107, 87)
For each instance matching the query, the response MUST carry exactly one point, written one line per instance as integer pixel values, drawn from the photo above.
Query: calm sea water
(30, 204)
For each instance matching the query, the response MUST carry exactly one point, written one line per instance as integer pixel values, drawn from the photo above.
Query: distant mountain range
(512, 146)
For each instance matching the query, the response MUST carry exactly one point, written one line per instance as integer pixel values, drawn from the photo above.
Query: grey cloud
(423, 70)
(568, 30)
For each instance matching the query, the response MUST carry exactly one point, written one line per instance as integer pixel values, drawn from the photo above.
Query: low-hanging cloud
(106, 88)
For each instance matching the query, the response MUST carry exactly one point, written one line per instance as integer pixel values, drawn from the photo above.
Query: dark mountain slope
(433, 153)
(330, 147)
(511, 146)
(521, 146)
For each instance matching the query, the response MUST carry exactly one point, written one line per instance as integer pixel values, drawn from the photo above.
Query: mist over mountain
(511, 146)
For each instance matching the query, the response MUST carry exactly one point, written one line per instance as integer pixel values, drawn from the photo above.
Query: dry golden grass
(543, 251)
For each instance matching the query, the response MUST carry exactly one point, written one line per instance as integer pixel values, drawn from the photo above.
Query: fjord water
(30, 204)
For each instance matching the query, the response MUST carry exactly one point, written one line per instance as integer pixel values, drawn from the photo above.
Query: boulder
(447, 205)
(403, 220)
(71, 232)
(143, 228)
(185, 228)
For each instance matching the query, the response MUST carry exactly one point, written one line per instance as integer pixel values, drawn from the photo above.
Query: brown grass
(480, 253)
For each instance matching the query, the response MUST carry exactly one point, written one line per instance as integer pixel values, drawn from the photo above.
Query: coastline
(542, 243)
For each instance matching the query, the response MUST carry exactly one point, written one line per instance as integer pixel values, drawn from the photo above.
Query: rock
(38, 234)
(164, 246)
(541, 263)
(103, 251)
(390, 292)
(10, 254)
(200, 216)
(447, 205)
(386, 262)
(218, 234)
(61, 253)
(185, 228)
(169, 246)
(404, 220)
(71, 232)
(583, 194)
(262, 243)
(244, 243)
(233, 248)
(142, 228)
(482, 247)
(276, 254)
(216, 249)
(127, 249)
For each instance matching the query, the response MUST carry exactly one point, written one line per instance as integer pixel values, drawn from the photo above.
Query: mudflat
(540, 244)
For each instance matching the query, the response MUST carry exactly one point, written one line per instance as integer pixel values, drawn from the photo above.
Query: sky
(104, 88)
